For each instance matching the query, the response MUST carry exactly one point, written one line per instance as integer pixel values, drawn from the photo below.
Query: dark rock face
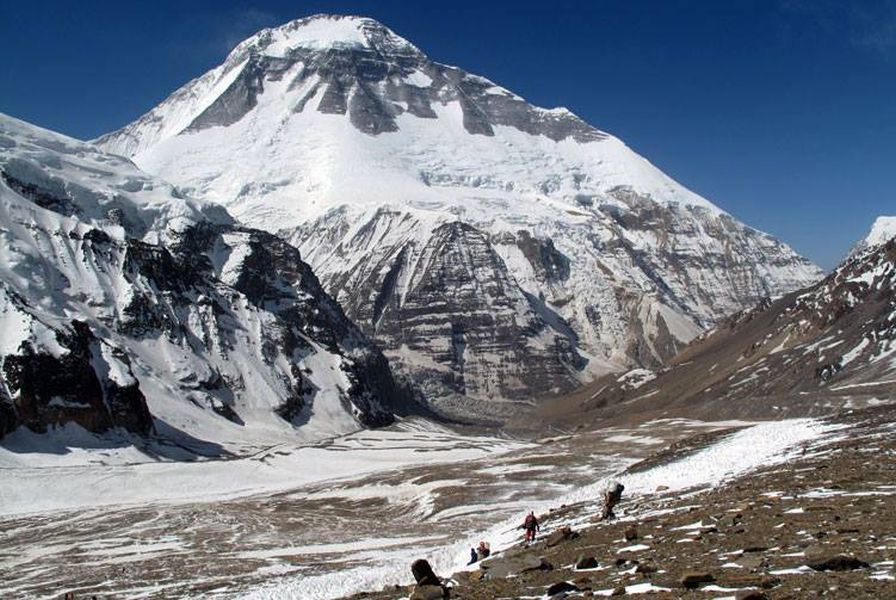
(454, 302)
(369, 84)
(273, 277)
(74, 386)
(220, 312)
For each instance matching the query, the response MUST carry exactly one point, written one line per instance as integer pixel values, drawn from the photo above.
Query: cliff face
(125, 304)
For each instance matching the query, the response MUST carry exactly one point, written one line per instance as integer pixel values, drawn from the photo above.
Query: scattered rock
(586, 562)
(536, 564)
(750, 595)
(693, 579)
(645, 569)
(560, 535)
(840, 562)
(562, 587)
(751, 549)
(429, 592)
(631, 533)
(751, 562)
(662, 488)
(618, 591)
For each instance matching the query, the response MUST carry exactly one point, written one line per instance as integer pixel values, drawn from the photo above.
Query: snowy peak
(471, 233)
(349, 66)
(883, 230)
(324, 32)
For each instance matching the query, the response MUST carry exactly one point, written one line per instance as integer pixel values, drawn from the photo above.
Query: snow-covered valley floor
(319, 521)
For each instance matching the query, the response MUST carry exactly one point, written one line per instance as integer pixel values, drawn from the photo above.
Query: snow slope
(408, 184)
(125, 304)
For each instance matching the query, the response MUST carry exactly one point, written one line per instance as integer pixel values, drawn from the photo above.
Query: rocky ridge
(125, 304)
(812, 352)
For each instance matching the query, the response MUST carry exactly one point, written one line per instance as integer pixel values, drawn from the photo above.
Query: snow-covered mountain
(125, 304)
(882, 231)
(827, 347)
(496, 250)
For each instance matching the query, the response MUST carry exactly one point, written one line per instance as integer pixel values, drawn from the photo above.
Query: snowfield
(326, 520)
(756, 446)
(60, 472)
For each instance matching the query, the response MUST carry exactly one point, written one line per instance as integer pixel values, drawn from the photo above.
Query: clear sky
(782, 112)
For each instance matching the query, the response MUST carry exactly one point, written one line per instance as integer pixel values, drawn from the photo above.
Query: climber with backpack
(531, 525)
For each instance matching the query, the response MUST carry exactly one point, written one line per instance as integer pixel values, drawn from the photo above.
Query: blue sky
(782, 112)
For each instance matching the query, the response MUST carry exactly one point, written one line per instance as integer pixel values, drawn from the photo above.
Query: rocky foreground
(823, 524)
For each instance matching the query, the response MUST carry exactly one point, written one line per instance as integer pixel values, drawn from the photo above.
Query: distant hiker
(531, 525)
(612, 495)
(473, 556)
(483, 550)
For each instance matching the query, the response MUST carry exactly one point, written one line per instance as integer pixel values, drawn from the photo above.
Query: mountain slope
(125, 304)
(829, 346)
(422, 194)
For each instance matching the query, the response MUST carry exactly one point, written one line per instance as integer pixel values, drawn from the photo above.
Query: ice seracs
(497, 251)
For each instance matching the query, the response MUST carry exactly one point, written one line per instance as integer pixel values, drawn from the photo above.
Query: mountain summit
(496, 250)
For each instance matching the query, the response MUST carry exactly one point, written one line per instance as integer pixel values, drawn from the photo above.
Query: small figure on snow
(531, 525)
(612, 494)
(484, 550)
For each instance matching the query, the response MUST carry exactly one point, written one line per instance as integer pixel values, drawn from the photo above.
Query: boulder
(561, 587)
(631, 533)
(645, 569)
(750, 595)
(586, 562)
(429, 592)
(751, 562)
(535, 564)
(692, 579)
(504, 566)
(423, 574)
(840, 562)
(560, 535)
